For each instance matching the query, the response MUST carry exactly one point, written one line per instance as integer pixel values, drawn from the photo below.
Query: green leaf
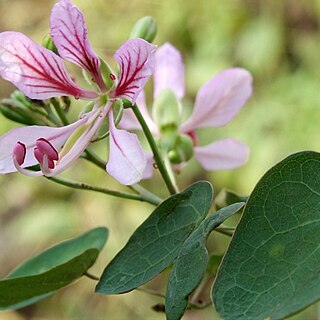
(156, 243)
(272, 268)
(51, 270)
(191, 263)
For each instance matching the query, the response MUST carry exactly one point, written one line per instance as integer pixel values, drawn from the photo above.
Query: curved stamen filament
(25, 171)
(80, 145)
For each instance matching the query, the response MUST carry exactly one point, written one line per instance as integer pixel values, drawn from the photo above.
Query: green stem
(170, 172)
(92, 157)
(157, 156)
(51, 116)
(59, 111)
(119, 194)
(145, 193)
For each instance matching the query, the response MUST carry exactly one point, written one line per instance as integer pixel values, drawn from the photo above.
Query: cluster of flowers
(41, 74)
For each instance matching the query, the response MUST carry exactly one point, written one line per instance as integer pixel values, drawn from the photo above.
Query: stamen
(46, 165)
(46, 154)
(24, 171)
(82, 142)
(46, 147)
(19, 152)
(112, 76)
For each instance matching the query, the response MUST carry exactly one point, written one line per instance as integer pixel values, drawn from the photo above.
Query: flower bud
(47, 42)
(167, 110)
(15, 111)
(20, 98)
(145, 28)
(182, 151)
(168, 139)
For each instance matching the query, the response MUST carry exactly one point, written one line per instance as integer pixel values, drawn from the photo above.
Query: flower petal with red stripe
(136, 61)
(36, 71)
(70, 36)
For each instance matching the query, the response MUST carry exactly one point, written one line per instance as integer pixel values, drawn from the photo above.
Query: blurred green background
(277, 41)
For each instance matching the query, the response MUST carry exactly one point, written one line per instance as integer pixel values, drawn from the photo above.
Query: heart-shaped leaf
(156, 243)
(191, 263)
(272, 266)
(51, 270)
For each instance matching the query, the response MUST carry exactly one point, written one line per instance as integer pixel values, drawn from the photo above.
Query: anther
(19, 152)
(45, 153)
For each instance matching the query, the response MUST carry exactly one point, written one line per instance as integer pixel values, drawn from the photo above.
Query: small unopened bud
(47, 42)
(145, 28)
(167, 110)
(20, 98)
(182, 151)
(17, 112)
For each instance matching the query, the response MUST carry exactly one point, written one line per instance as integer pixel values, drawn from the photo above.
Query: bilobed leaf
(51, 270)
(156, 243)
(191, 263)
(272, 269)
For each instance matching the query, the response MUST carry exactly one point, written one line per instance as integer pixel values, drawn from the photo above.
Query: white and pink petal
(70, 36)
(149, 169)
(169, 71)
(136, 60)
(223, 154)
(127, 160)
(36, 71)
(220, 99)
(13, 142)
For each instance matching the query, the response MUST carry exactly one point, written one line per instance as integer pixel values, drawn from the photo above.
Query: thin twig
(119, 194)
(157, 156)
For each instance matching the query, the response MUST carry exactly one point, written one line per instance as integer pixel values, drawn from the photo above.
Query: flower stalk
(157, 156)
(119, 194)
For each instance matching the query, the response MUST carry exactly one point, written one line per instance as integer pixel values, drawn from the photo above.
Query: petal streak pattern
(36, 71)
(70, 36)
(136, 61)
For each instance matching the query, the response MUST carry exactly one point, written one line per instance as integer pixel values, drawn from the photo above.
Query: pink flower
(41, 74)
(217, 102)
